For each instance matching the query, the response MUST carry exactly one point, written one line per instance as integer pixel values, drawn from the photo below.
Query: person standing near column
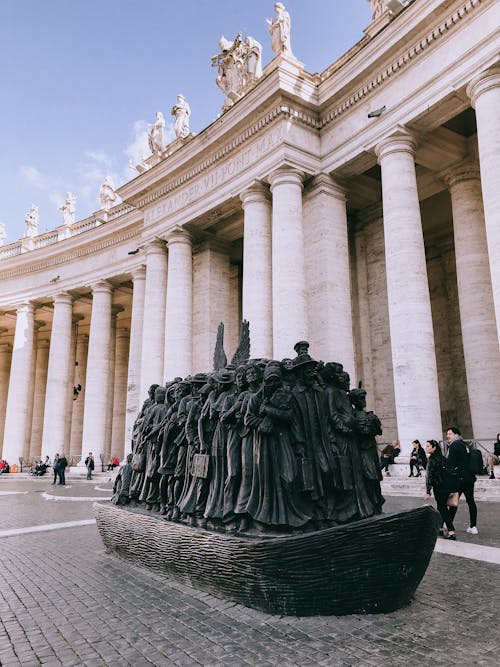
(89, 463)
(458, 457)
(61, 469)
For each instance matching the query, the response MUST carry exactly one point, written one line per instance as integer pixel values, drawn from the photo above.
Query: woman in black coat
(440, 480)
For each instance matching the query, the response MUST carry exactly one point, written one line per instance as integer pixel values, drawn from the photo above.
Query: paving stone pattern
(64, 601)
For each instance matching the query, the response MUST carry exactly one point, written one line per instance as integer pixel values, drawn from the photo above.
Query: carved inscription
(214, 178)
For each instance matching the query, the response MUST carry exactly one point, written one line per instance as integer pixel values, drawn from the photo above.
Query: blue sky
(80, 80)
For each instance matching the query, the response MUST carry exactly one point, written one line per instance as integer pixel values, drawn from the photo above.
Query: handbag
(139, 461)
(453, 499)
(451, 480)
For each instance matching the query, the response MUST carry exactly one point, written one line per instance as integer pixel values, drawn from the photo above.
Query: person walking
(55, 468)
(61, 469)
(458, 457)
(439, 480)
(89, 462)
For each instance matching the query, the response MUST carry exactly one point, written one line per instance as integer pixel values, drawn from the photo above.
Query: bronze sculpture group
(266, 446)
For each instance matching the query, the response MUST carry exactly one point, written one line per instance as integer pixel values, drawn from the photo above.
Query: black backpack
(476, 465)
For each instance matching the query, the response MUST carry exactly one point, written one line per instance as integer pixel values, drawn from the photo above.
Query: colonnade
(295, 285)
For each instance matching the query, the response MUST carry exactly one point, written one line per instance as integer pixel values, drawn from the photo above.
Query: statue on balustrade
(182, 113)
(280, 28)
(155, 134)
(239, 64)
(3, 233)
(68, 209)
(107, 194)
(378, 8)
(31, 219)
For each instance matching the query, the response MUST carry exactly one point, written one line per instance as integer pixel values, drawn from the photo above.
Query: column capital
(63, 297)
(326, 184)
(42, 343)
(26, 307)
(155, 247)
(102, 287)
(399, 141)
(286, 176)
(483, 82)
(178, 235)
(464, 171)
(139, 273)
(257, 192)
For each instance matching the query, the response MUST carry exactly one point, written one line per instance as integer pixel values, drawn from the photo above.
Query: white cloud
(138, 148)
(32, 176)
(100, 157)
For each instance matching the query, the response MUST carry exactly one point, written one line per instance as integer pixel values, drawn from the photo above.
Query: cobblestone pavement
(64, 601)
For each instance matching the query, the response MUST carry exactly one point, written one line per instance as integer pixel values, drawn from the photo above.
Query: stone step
(484, 489)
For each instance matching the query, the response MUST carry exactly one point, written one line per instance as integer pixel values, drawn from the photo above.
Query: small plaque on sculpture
(200, 466)
(306, 474)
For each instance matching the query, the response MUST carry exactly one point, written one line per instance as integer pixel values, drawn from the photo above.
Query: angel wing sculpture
(242, 353)
(220, 359)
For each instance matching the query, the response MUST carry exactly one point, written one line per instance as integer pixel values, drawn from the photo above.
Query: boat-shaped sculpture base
(369, 566)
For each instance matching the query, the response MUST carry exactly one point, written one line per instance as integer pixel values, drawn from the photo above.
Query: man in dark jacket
(61, 469)
(458, 457)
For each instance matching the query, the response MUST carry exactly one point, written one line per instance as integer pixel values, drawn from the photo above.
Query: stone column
(211, 301)
(134, 402)
(475, 296)
(410, 320)
(153, 330)
(82, 346)
(289, 287)
(122, 343)
(5, 361)
(95, 411)
(328, 273)
(484, 92)
(111, 384)
(179, 308)
(54, 420)
(257, 269)
(42, 363)
(16, 417)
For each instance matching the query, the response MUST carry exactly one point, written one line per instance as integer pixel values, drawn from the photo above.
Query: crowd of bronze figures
(271, 446)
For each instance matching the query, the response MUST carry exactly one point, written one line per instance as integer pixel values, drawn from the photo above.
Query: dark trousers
(445, 511)
(384, 463)
(414, 464)
(468, 491)
(62, 478)
(56, 475)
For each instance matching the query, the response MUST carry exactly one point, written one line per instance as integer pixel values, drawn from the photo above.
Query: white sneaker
(472, 530)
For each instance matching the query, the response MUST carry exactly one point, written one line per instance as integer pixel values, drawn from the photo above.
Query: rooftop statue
(107, 194)
(182, 112)
(279, 27)
(3, 233)
(378, 8)
(155, 134)
(68, 209)
(239, 64)
(31, 219)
